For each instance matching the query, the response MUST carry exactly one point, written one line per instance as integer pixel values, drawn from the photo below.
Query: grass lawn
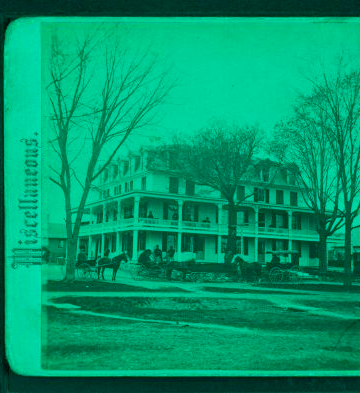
(197, 334)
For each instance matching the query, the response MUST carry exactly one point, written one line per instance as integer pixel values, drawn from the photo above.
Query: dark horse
(248, 270)
(113, 264)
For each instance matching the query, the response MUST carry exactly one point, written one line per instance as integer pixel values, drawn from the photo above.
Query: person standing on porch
(170, 254)
(158, 254)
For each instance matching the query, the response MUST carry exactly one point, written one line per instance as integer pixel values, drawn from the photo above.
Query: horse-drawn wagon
(220, 272)
(91, 268)
(278, 271)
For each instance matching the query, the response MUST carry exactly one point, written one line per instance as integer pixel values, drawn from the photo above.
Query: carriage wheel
(276, 275)
(294, 276)
(209, 277)
(84, 271)
(140, 273)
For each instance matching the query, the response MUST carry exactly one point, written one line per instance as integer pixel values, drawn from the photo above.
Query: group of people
(150, 258)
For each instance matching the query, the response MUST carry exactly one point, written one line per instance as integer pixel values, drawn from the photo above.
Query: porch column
(256, 239)
(78, 244)
(118, 242)
(219, 207)
(219, 248)
(102, 245)
(136, 208)
(219, 216)
(89, 247)
(110, 242)
(290, 224)
(135, 244)
(104, 213)
(179, 246)
(290, 244)
(180, 210)
(119, 211)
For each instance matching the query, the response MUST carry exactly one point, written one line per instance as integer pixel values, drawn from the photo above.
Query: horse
(113, 264)
(248, 270)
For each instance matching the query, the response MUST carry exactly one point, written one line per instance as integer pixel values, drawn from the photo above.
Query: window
(245, 242)
(265, 174)
(240, 191)
(261, 220)
(117, 190)
(115, 171)
(273, 245)
(131, 185)
(137, 163)
(284, 244)
(125, 168)
(297, 247)
(279, 197)
(190, 187)
(296, 221)
(261, 195)
(187, 243)
(293, 198)
(313, 250)
(143, 183)
(291, 179)
(128, 212)
(244, 217)
(126, 187)
(246, 246)
(113, 243)
(173, 185)
(142, 240)
(106, 175)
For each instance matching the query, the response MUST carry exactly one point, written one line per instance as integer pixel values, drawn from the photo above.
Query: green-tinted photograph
(200, 196)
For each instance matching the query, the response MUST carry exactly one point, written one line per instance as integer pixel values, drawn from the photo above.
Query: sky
(247, 71)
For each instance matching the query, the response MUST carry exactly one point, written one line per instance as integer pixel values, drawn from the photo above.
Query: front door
(199, 247)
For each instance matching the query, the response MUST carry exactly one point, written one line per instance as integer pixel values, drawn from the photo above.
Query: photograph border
(163, 8)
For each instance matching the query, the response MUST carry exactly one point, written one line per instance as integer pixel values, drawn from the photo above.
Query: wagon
(87, 270)
(284, 272)
(199, 271)
(142, 272)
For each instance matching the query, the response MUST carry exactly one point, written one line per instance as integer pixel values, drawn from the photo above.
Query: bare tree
(99, 94)
(219, 157)
(339, 97)
(306, 151)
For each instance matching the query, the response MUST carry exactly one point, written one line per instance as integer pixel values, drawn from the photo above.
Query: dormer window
(291, 179)
(125, 168)
(115, 171)
(265, 174)
(137, 163)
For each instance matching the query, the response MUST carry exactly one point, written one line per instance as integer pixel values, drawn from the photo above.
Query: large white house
(138, 206)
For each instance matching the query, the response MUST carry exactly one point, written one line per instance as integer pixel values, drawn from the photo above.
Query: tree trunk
(347, 262)
(71, 258)
(323, 260)
(232, 222)
(73, 233)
